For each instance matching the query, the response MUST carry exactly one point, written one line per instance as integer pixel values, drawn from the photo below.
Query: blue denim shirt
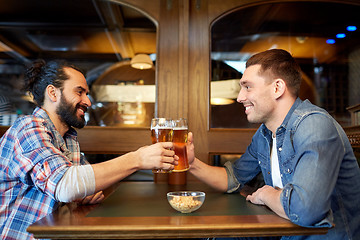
(318, 169)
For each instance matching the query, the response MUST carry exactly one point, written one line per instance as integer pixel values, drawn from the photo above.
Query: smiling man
(40, 160)
(311, 174)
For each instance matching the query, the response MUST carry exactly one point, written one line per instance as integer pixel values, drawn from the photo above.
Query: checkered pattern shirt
(33, 158)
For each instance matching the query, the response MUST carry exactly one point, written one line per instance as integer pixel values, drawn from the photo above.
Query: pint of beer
(161, 131)
(180, 133)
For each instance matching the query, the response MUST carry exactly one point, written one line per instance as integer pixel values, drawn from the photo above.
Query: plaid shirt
(33, 158)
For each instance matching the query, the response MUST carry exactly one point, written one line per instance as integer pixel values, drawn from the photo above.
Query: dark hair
(280, 64)
(41, 74)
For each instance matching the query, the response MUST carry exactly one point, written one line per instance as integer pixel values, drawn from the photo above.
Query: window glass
(100, 37)
(123, 96)
(323, 37)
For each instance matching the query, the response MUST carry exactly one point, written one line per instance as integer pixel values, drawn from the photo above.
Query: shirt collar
(39, 112)
(297, 102)
(265, 131)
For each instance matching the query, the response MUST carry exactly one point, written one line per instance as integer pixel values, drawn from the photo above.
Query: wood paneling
(112, 140)
(172, 59)
(229, 141)
(199, 76)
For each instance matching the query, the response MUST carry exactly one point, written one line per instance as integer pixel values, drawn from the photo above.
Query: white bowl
(186, 201)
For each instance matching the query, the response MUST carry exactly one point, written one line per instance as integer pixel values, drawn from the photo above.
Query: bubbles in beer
(159, 134)
(180, 139)
(161, 130)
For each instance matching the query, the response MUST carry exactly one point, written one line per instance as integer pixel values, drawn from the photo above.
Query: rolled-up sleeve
(233, 183)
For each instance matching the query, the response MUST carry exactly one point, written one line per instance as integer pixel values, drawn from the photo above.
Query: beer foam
(180, 128)
(160, 127)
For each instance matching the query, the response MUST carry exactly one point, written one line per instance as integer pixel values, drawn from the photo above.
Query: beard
(68, 113)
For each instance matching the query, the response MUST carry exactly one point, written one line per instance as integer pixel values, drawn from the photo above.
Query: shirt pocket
(262, 160)
(288, 164)
(264, 163)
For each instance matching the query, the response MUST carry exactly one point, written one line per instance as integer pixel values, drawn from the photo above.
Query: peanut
(184, 203)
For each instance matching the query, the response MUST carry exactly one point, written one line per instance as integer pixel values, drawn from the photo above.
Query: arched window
(324, 37)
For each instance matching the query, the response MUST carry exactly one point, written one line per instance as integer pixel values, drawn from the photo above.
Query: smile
(82, 109)
(247, 108)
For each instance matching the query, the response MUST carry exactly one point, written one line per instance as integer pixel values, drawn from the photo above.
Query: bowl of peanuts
(186, 201)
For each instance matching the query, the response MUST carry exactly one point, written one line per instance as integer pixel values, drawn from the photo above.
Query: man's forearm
(112, 171)
(270, 197)
(216, 177)
(272, 200)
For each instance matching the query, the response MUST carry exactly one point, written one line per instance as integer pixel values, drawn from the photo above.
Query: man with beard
(40, 160)
(311, 174)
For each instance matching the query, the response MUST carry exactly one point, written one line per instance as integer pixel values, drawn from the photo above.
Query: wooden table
(139, 210)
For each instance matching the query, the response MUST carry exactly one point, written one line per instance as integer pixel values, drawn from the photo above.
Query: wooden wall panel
(112, 139)
(168, 96)
(199, 70)
(172, 57)
(229, 141)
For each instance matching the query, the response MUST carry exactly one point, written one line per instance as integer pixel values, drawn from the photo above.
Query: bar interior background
(195, 53)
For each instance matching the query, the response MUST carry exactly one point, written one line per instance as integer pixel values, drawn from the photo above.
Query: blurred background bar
(192, 54)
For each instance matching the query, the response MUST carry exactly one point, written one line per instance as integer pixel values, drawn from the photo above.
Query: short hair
(41, 74)
(279, 64)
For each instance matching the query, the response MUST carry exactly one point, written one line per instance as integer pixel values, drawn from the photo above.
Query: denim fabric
(319, 171)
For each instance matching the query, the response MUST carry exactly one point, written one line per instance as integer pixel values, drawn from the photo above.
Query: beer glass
(161, 131)
(180, 133)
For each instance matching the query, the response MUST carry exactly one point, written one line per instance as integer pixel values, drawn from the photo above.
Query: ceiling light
(301, 40)
(340, 35)
(141, 61)
(351, 28)
(221, 101)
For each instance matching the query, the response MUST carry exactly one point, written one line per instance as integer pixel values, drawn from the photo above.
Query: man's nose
(87, 101)
(241, 96)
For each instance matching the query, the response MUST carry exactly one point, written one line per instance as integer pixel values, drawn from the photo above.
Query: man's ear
(52, 93)
(279, 87)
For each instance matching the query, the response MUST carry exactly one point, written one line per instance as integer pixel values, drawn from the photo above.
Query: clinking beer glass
(180, 133)
(161, 131)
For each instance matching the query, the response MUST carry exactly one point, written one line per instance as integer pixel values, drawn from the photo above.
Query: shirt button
(280, 149)
(268, 172)
(289, 170)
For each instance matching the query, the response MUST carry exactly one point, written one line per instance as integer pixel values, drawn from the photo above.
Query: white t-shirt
(77, 183)
(275, 169)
